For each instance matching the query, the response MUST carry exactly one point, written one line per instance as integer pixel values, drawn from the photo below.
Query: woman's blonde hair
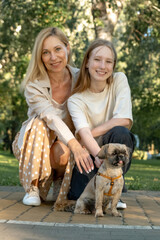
(36, 68)
(84, 80)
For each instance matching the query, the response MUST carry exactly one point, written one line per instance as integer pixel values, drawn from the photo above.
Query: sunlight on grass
(9, 171)
(143, 175)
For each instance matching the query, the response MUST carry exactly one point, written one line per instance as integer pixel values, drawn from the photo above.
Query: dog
(106, 186)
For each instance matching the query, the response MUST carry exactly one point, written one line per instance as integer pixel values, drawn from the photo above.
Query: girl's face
(54, 54)
(100, 64)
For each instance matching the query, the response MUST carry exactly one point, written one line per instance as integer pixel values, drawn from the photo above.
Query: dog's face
(115, 154)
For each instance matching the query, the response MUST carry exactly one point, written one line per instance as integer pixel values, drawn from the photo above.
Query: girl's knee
(120, 130)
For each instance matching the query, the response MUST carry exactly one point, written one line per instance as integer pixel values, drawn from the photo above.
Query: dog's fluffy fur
(115, 157)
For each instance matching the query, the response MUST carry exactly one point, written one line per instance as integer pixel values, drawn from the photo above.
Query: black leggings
(115, 135)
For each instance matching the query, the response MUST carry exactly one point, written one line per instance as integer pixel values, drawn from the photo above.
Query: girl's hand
(98, 162)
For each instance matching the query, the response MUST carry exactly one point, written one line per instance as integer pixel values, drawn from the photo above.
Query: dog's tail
(66, 206)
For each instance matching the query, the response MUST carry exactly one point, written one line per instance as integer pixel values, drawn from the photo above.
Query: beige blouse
(38, 96)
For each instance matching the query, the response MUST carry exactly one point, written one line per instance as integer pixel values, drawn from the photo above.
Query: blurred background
(133, 27)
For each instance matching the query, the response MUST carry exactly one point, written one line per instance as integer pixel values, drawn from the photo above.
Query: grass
(143, 174)
(9, 172)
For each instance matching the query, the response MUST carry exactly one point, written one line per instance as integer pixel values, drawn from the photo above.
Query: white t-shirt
(89, 109)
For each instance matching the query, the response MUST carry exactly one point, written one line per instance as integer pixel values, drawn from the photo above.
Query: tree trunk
(105, 16)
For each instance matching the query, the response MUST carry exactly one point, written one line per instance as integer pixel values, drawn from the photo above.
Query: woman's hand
(81, 156)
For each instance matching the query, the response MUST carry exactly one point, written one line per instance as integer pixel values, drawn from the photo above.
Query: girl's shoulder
(119, 75)
(77, 96)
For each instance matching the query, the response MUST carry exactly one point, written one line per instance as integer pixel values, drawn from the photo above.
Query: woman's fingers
(84, 161)
(79, 166)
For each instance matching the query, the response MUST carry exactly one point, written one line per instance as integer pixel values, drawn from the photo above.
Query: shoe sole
(34, 205)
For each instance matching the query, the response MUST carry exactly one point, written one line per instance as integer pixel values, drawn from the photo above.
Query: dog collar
(112, 182)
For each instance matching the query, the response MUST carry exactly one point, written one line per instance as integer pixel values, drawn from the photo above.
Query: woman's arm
(40, 104)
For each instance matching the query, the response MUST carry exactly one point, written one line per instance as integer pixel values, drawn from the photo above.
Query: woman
(46, 139)
(100, 108)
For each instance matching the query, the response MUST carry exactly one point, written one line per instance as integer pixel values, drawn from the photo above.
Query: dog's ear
(103, 152)
(129, 151)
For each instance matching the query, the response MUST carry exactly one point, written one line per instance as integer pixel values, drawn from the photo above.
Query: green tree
(20, 21)
(141, 55)
(133, 26)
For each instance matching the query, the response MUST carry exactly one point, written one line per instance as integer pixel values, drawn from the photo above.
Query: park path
(143, 213)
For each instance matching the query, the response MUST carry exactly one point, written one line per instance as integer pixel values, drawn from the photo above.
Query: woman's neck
(59, 77)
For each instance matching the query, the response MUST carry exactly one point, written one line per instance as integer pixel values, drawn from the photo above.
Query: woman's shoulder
(37, 86)
(74, 71)
(39, 83)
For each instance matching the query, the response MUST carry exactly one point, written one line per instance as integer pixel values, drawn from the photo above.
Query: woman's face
(100, 63)
(54, 54)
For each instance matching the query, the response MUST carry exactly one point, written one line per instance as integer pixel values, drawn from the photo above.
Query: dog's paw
(99, 213)
(76, 211)
(116, 213)
(85, 211)
(82, 211)
(67, 206)
(108, 211)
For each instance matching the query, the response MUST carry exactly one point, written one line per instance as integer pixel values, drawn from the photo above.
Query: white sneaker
(32, 197)
(121, 204)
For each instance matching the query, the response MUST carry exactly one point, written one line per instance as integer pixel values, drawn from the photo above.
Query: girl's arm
(90, 143)
(105, 127)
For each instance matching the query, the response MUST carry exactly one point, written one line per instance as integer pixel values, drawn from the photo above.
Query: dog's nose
(120, 156)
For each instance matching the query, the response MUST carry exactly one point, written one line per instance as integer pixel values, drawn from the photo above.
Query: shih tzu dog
(106, 186)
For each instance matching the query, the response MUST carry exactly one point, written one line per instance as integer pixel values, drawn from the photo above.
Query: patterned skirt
(34, 160)
(34, 157)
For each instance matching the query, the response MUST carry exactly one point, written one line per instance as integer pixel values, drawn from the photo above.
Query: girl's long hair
(84, 80)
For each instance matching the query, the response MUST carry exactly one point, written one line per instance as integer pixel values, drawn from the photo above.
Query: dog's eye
(114, 153)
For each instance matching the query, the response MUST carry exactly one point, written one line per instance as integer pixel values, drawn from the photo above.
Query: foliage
(141, 45)
(133, 26)
(19, 25)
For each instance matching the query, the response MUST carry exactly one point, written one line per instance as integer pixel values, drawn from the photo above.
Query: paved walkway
(141, 219)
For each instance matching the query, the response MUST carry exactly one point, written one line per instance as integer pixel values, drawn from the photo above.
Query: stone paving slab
(14, 231)
(143, 209)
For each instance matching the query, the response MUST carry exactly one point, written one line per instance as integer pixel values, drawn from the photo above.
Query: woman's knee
(59, 154)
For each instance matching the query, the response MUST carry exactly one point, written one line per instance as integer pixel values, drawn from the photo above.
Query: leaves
(133, 27)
